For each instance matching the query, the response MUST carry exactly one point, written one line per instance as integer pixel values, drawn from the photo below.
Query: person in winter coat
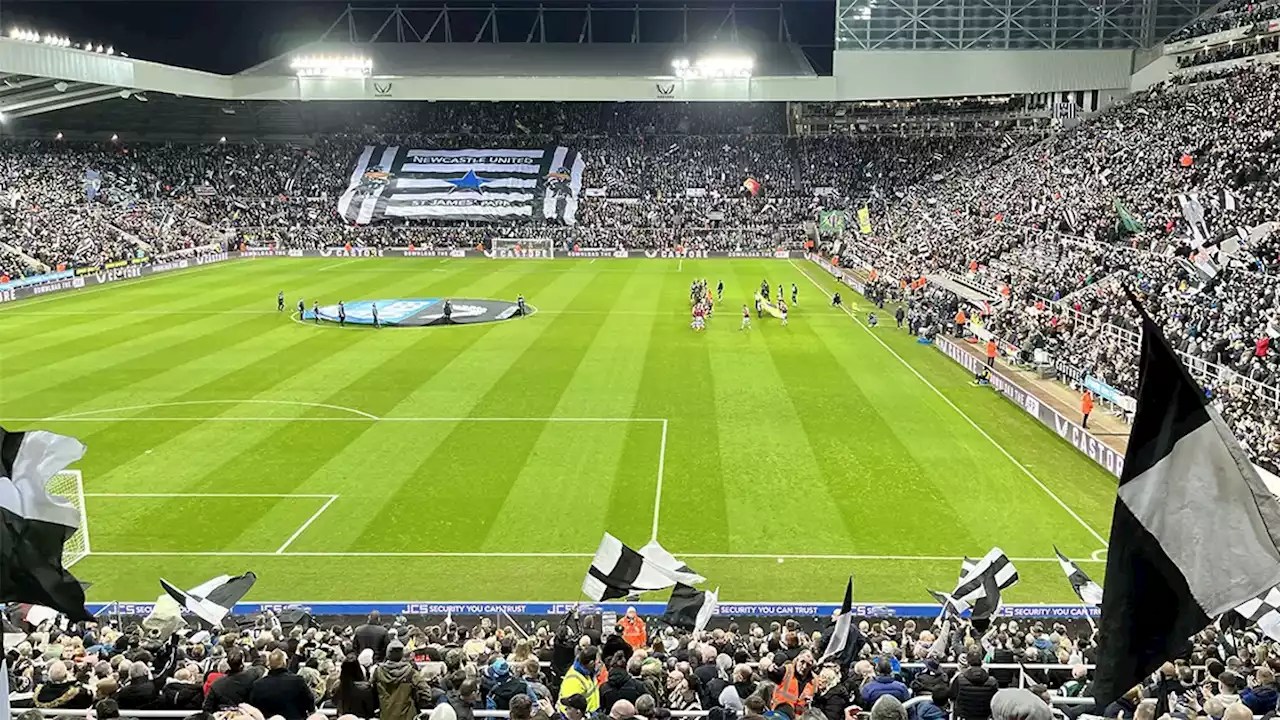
(372, 635)
(930, 678)
(935, 708)
(179, 693)
(281, 692)
(503, 684)
(233, 688)
(620, 685)
(355, 694)
(1127, 704)
(734, 697)
(463, 700)
(142, 693)
(400, 689)
(972, 690)
(1261, 694)
(830, 696)
(61, 691)
(884, 683)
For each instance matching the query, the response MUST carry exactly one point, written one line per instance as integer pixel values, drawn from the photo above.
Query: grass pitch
(484, 462)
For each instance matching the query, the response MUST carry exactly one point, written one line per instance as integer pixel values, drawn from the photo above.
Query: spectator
(620, 685)
(1261, 694)
(580, 680)
(233, 688)
(884, 683)
(401, 692)
(972, 690)
(181, 692)
(372, 636)
(61, 691)
(141, 693)
(281, 692)
(355, 694)
(830, 697)
(1018, 704)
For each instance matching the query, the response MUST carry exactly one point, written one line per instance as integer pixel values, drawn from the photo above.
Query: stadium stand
(398, 669)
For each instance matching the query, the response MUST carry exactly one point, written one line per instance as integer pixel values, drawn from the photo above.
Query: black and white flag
(948, 603)
(690, 608)
(618, 571)
(1072, 218)
(34, 524)
(846, 640)
(390, 181)
(981, 582)
(1193, 213)
(1263, 611)
(1089, 592)
(1194, 533)
(1225, 200)
(211, 601)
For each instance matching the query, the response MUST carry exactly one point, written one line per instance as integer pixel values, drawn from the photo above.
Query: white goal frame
(69, 484)
(524, 248)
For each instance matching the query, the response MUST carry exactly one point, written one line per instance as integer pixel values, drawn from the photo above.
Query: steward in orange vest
(1086, 407)
(992, 350)
(633, 629)
(796, 687)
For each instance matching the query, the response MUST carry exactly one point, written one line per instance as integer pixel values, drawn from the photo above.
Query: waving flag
(618, 571)
(390, 181)
(846, 640)
(690, 608)
(34, 525)
(1089, 592)
(1194, 533)
(981, 582)
(211, 601)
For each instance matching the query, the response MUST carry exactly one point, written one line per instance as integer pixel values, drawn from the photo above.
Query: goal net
(529, 248)
(68, 484)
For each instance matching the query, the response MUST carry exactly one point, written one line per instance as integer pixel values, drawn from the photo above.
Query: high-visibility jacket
(575, 683)
(1086, 402)
(991, 348)
(789, 691)
(960, 317)
(633, 630)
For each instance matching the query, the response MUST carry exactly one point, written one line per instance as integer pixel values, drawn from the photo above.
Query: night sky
(227, 36)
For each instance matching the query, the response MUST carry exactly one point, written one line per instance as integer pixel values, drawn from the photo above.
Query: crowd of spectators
(571, 670)
(1053, 226)
(1226, 16)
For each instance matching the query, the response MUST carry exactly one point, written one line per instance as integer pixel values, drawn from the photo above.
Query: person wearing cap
(501, 685)
(572, 707)
(401, 691)
(580, 679)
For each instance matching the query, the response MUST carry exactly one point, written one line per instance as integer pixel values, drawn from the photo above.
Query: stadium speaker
(295, 617)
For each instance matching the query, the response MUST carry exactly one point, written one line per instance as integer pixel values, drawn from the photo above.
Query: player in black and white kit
(342, 314)
(795, 294)
(719, 290)
(315, 311)
(373, 308)
(302, 307)
(280, 301)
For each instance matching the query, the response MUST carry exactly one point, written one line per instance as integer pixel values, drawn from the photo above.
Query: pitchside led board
(418, 312)
(485, 185)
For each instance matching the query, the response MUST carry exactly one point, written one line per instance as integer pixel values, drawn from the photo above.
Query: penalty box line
(278, 496)
(657, 492)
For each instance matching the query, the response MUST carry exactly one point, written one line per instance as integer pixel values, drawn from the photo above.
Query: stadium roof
(540, 59)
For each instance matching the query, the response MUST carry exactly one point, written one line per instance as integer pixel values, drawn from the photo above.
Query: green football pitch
(484, 462)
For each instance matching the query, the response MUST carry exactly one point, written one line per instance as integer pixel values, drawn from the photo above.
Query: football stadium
(880, 358)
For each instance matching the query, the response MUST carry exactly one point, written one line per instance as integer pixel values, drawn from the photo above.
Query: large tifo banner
(390, 181)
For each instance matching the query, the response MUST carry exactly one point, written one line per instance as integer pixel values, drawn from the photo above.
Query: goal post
(524, 248)
(69, 485)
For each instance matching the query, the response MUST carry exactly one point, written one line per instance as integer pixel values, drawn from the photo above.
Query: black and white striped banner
(390, 181)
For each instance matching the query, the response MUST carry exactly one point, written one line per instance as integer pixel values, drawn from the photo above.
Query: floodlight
(114, 137)
(139, 97)
(100, 48)
(58, 136)
(111, 50)
(222, 139)
(715, 66)
(14, 33)
(332, 66)
(60, 86)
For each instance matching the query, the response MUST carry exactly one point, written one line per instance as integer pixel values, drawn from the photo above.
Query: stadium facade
(1083, 51)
